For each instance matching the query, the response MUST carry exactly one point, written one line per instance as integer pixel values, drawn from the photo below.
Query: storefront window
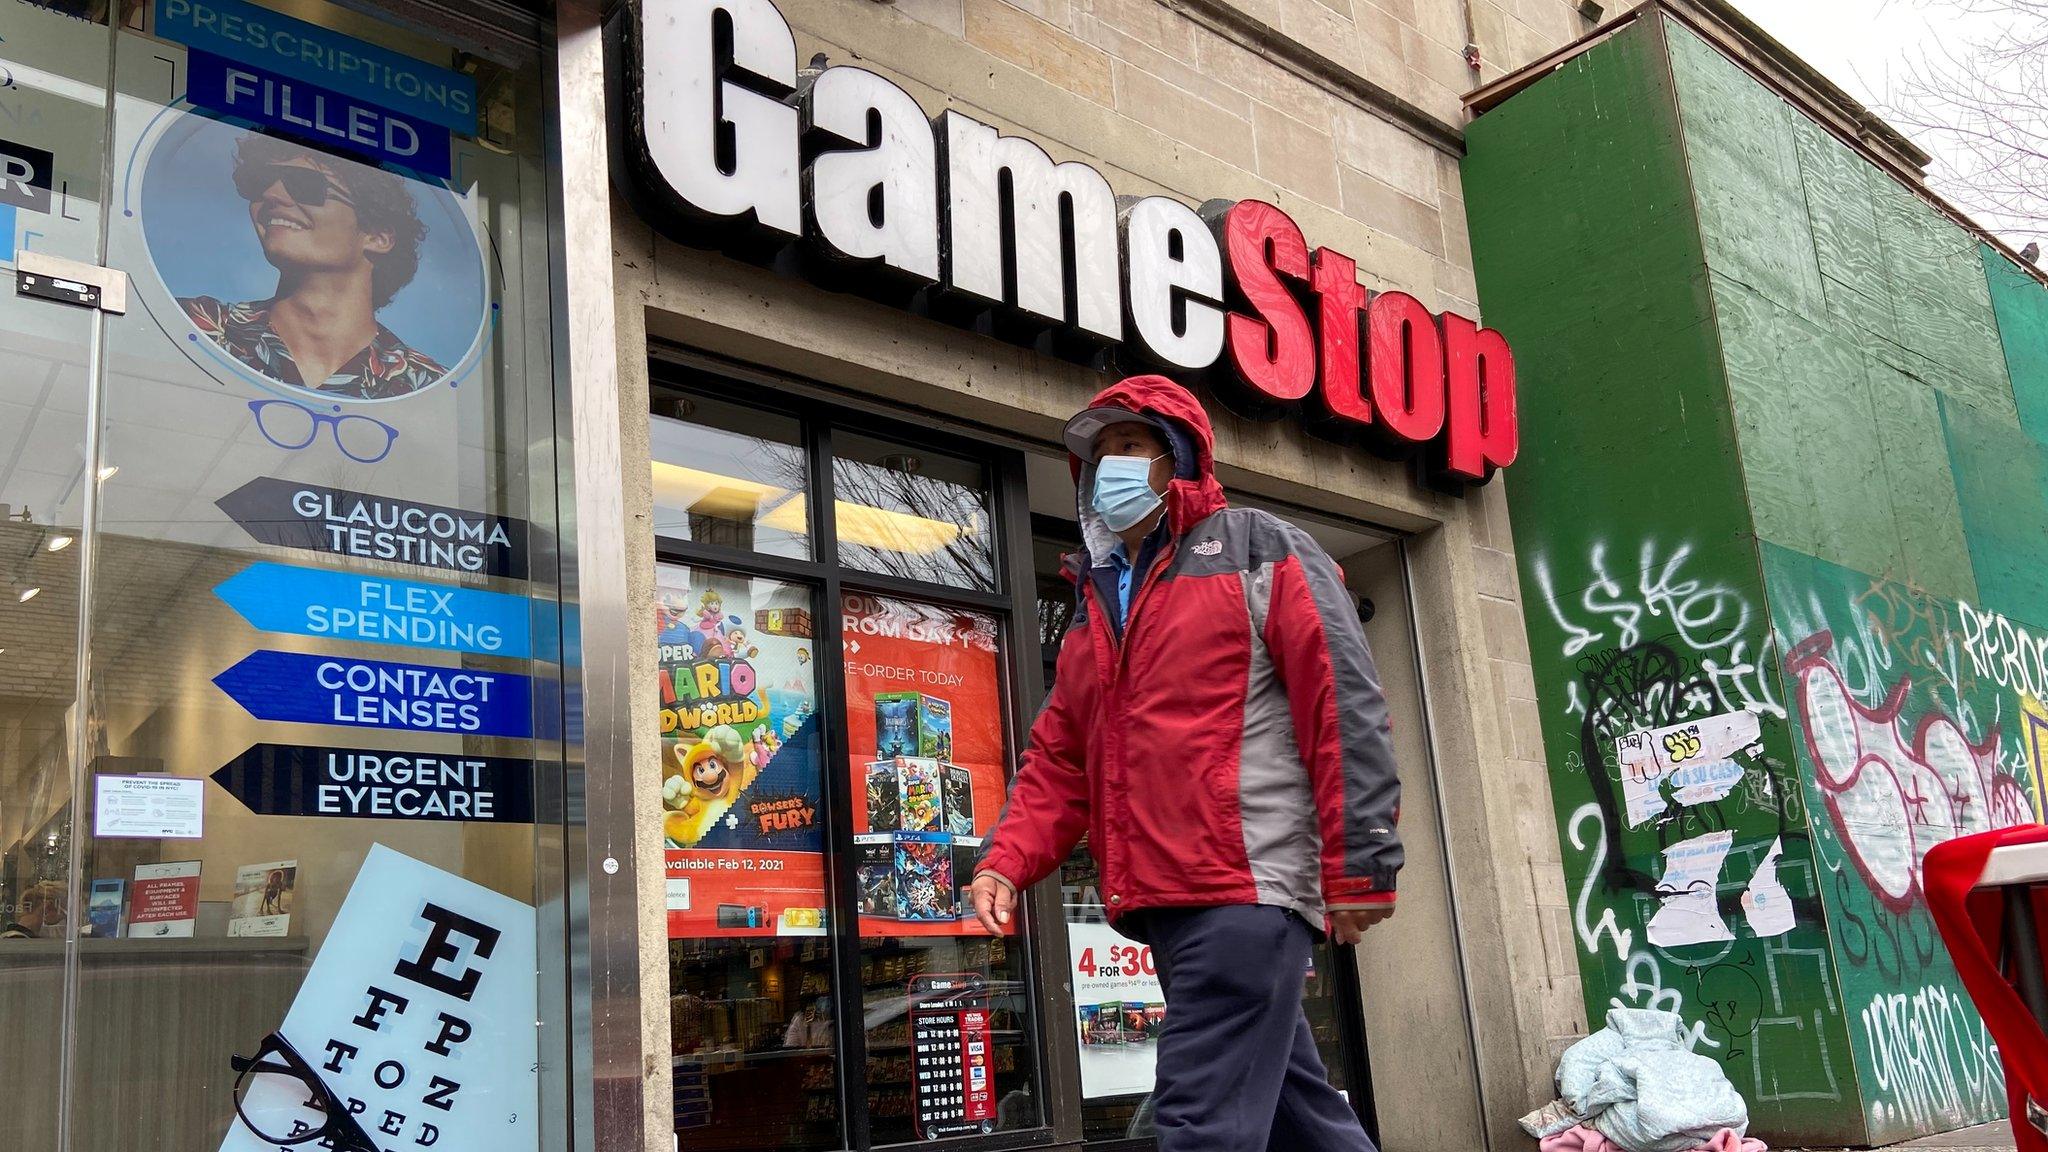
(829, 984)
(913, 513)
(728, 475)
(945, 1004)
(282, 519)
(750, 958)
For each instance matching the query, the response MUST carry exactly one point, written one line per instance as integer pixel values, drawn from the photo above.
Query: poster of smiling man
(308, 270)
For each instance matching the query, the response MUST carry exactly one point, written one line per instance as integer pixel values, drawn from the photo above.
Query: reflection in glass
(912, 513)
(742, 817)
(728, 475)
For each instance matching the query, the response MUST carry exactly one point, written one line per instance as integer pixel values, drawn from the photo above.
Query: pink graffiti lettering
(1893, 797)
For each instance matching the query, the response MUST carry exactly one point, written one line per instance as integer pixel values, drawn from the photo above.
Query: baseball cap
(1085, 426)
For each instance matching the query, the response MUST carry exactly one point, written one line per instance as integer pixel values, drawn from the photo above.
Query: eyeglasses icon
(283, 1101)
(293, 426)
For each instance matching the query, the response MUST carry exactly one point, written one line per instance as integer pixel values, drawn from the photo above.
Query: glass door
(281, 640)
(837, 629)
(53, 126)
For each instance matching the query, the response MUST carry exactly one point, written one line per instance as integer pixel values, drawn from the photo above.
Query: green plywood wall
(1870, 387)
(1638, 558)
(1783, 477)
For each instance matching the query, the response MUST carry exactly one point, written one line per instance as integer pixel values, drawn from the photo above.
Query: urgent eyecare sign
(961, 221)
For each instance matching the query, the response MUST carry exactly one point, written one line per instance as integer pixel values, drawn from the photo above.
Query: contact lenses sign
(305, 688)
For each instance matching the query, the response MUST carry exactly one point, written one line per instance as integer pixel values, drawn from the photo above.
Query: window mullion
(849, 1001)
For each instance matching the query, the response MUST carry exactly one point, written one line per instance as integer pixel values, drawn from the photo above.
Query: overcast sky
(1865, 46)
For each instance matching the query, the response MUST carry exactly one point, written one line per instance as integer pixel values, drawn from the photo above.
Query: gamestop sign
(840, 173)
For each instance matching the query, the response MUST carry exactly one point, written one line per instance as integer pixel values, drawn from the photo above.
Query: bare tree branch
(1980, 105)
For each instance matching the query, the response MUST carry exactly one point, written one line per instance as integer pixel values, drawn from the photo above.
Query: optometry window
(828, 984)
(281, 732)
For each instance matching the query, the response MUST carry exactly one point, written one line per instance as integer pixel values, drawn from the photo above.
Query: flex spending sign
(956, 220)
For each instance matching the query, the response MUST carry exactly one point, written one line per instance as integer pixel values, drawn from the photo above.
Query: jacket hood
(1193, 495)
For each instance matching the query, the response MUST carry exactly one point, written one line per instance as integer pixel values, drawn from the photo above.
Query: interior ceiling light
(107, 473)
(732, 498)
(28, 594)
(59, 542)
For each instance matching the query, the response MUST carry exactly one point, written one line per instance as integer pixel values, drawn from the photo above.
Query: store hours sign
(958, 220)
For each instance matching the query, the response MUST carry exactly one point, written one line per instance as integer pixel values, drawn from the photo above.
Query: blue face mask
(1123, 490)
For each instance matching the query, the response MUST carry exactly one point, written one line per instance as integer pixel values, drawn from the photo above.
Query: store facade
(533, 550)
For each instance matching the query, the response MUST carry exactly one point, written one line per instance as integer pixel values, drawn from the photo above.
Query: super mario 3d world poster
(741, 814)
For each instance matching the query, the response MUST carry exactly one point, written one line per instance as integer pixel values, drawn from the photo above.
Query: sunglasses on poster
(308, 187)
(293, 426)
(283, 1101)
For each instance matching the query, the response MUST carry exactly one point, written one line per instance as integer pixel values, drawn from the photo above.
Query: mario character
(712, 774)
(672, 610)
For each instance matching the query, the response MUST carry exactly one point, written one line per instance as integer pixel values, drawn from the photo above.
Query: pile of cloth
(1637, 1086)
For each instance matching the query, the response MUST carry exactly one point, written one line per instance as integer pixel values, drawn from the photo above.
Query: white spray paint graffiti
(1642, 986)
(1710, 620)
(1590, 934)
(1896, 785)
(2009, 655)
(1934, 1060)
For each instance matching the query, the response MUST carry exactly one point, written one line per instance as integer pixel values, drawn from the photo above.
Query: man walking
(1217, 728)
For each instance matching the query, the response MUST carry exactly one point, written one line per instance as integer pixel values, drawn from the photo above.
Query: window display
(927, 761)
(742, 808)
(803, 902)
(925, 732)
(287, 522)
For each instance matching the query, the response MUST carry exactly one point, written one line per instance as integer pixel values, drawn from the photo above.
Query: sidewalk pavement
(1984, 1138)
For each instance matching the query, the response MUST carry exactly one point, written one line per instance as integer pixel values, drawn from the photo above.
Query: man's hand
(995, 902)
(1346, 927)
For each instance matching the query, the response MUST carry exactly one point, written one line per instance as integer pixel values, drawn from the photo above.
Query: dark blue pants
(1238, 1069)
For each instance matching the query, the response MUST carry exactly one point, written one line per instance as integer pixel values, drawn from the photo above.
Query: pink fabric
(1583, 1139)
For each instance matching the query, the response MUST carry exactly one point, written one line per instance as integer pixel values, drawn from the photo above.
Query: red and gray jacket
(1231, 746)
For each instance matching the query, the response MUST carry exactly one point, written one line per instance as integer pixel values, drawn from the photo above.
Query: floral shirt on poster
(385, 368)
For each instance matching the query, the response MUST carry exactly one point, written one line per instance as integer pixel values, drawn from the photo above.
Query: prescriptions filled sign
(924, 718)
(742, 822)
